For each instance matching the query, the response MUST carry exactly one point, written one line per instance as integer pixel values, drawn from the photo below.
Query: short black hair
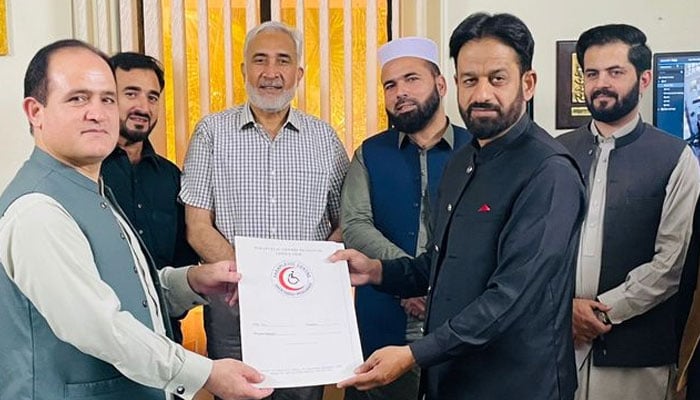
(36, 83)
(506, 28)
(639, 53)
(130, 60)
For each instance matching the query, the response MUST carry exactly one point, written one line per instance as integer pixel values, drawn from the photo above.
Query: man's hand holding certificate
(298, 323)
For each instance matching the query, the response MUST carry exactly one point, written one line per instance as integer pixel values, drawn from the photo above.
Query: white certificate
(298, 323)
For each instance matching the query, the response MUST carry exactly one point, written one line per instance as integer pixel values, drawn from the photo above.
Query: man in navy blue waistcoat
(388, 192)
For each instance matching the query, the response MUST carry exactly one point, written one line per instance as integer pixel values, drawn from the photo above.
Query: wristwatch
(603, 317)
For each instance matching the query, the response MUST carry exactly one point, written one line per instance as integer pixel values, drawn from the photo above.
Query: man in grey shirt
(643, 185)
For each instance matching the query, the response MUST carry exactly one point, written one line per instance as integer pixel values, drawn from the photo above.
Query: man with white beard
(263, 170)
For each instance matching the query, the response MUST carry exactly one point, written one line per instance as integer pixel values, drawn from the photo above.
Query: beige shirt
(47, 256)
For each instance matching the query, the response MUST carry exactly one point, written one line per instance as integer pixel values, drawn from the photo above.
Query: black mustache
(402, 102)
(603, 92)
(140, 114)
(483, 106)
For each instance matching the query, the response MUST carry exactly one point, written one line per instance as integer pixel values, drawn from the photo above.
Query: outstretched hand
(381, 368)
(232, 380)
(363, 270)
(217, 278)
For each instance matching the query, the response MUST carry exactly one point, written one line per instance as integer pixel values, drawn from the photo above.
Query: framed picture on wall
(570, 98)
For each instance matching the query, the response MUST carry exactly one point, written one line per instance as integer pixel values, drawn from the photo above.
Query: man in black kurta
(145, 184)
(499, 276)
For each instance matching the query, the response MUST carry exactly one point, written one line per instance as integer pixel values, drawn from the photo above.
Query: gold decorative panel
(3, 28)
(312, 78)
(338, 80)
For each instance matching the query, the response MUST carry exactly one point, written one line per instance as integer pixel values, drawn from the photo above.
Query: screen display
(677, 95)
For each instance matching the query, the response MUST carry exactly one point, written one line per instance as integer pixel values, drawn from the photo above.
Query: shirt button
(144, 303)
(136, 271)
(449, 208)
(272, 172)
(470, 169)
(103, 205)
(121, 235)
(139, 205)
(272, 200)
(140, 231)
(180, 390)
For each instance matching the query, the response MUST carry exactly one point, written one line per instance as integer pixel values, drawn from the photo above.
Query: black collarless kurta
(500, 276)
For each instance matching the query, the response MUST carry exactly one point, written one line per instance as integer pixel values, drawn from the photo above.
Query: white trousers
(612, 383)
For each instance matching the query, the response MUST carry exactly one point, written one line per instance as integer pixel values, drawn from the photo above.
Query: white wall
(31, 24)
(669, 25)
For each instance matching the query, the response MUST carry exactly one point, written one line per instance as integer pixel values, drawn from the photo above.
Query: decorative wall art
(3, 28)
(571, 100)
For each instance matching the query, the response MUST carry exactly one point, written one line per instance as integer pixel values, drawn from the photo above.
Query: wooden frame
(571, 102)
(3, 29)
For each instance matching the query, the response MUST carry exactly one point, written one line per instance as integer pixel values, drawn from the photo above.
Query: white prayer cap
(411, 46)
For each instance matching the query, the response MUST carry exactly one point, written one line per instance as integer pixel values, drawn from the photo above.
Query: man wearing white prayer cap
(499, 272)
(392, 181)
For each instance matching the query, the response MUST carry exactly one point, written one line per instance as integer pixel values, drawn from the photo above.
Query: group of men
(513, 264)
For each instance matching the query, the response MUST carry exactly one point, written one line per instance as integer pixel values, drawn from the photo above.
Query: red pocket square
(484, 208)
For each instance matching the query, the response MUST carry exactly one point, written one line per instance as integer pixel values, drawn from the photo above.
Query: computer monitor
(677, 95)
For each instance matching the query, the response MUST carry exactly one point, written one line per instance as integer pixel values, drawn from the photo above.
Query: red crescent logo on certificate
(292, 278)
